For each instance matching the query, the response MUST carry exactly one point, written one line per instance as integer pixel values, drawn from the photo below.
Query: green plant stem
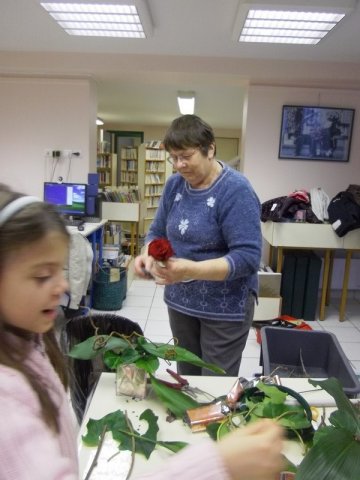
(134, 435)
(284, 414)
(94, 462)
(303, 446)
(128, 423)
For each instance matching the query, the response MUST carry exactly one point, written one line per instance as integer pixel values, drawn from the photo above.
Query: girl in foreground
(37, 440)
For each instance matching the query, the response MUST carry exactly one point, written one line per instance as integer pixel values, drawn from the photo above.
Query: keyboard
(92, 219)
(73, 223)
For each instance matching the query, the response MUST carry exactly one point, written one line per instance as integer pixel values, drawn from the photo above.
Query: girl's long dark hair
(29, 225)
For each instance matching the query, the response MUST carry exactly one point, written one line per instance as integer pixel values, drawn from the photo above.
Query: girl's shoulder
(14, 385)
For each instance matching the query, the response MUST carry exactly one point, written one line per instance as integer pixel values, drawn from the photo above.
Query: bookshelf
(153, 173)
(129, 166)
(106, 166)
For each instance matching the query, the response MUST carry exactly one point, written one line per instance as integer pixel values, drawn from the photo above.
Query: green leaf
(117, 423)
(144, 446)
(114, 420)
(335, 456)
(149, 363)
(178, 354)
(177, 402)
(335, 389)
(276, 395)
(112, 359)
(345, 421)
(173, 446)
(86, 351)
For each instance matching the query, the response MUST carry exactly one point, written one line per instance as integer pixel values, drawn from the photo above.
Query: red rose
(160, 249)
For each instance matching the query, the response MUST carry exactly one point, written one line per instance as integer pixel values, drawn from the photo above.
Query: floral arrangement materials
(332, 452)
(160, 249)
(119, 350)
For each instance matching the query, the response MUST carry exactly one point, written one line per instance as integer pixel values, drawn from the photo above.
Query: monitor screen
(70, 198)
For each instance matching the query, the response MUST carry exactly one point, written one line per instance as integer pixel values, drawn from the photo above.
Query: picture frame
(316, 133)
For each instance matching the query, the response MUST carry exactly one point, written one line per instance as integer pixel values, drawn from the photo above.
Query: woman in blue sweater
(211, 216)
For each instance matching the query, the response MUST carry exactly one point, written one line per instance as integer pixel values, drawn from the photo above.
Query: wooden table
(314, 237)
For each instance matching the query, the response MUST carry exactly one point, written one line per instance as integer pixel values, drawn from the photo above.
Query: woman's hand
(143, 265)
(177, 270)
(174, 270)
(253, 452)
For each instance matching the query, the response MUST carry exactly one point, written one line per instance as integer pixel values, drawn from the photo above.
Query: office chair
(84, 374)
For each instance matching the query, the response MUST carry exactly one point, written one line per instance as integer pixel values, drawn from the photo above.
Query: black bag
(344, 213)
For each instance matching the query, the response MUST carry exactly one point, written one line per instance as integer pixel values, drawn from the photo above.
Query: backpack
(344, 213)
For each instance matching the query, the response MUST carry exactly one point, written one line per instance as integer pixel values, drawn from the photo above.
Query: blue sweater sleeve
(240, 224)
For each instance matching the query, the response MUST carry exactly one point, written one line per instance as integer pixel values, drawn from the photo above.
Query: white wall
(46, 113)
(272, 177)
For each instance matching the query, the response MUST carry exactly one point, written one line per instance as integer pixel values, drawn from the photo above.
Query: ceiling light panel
(98, 19)
(288, 21)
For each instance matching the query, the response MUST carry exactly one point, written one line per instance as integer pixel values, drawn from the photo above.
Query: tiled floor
(144, 304)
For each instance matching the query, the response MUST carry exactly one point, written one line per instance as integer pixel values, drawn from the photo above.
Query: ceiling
(137, 80)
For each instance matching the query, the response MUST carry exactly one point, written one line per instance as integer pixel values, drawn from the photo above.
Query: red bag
(284, 321)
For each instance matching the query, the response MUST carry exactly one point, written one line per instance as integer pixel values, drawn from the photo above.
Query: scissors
(183, 385)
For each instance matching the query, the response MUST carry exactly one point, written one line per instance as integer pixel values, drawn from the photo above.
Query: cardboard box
(269, 301)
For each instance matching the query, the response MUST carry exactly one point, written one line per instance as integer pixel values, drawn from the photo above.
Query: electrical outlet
(72, 153)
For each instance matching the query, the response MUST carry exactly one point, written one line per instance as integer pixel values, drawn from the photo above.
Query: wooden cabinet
(129, 166)
(106, 168)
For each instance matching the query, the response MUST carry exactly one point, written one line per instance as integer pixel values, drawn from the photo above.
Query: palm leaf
(335, 456)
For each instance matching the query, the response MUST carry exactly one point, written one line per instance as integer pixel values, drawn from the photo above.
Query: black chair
(84, 374)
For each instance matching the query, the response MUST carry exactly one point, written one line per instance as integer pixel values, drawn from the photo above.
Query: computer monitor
(70, 198)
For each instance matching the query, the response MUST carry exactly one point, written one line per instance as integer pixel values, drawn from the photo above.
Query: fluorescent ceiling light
(99, 121)
(186, 101)
(292, 21)
(102, 18)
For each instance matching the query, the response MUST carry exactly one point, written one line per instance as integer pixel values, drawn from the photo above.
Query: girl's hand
(254, 452)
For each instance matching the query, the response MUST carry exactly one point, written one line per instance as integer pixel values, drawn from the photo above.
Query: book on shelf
(128, 153)
(130, 195)
(154, 144)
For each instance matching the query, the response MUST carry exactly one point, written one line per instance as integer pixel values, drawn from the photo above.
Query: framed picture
(316, 133)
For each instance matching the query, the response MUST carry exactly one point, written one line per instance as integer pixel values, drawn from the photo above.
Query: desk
(314, 237)
(94, 232)
(105, 401)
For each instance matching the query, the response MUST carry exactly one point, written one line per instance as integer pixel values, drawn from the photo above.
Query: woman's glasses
(185, 157)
